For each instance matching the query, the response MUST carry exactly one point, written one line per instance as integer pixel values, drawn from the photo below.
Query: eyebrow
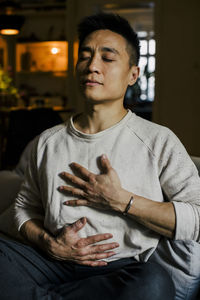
(108, 49)
(84, 48)
(103, 49)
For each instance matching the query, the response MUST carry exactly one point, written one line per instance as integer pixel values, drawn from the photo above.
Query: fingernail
(79, 223)
(104, 156)
(82, 220)
(111, 253)
(60, 188)
(108, 236)
(66, 202)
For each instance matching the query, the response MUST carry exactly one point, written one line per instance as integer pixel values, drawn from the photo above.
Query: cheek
(118, 79)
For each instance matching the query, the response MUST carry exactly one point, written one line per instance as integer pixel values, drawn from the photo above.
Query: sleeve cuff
(185, 221)
(22, 218)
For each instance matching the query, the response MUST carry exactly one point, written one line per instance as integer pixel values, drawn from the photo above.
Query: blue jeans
(25, 273)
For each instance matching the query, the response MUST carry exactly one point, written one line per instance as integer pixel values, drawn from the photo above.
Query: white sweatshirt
(150, 161)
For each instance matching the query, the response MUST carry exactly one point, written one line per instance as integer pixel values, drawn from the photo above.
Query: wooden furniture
(18, 125)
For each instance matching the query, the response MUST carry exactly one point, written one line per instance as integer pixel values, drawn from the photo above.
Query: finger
(78, 225)
(103, 247)
(92, 263)
(74, 179)
(72, 190)
(105, 163)
(95, 256)
(77, 202)
(97, 249)
(86, 174)
(94, 239)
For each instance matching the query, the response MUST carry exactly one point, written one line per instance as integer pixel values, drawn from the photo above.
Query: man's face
(103, 67)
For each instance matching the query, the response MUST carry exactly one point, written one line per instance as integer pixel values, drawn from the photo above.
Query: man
(92, 205)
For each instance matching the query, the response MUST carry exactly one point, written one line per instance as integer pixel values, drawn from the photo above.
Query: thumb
(79, 224)
(105, 163)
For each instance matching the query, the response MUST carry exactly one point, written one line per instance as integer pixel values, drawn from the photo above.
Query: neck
(98, 117)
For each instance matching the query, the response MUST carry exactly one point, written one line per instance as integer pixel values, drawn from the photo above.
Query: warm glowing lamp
(10, 23)
(9, 31)
(54, 50)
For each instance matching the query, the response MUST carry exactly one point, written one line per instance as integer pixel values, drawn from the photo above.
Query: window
(147, 63)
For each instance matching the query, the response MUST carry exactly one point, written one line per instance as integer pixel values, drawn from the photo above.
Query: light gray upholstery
(196, 160)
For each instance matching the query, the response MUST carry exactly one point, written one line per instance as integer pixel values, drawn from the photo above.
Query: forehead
(106, 38)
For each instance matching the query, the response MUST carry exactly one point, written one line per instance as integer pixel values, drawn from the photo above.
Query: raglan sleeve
(28, 203)
(180, 183)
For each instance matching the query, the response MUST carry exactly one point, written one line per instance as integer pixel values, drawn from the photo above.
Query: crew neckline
(92, 136)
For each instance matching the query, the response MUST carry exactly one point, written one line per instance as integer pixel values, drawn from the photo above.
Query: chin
(92, 98)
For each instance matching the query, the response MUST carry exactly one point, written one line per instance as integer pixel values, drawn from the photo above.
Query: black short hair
(115, 23)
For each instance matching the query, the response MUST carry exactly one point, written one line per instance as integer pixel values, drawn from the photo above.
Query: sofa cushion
(196, 161)
(10, 184)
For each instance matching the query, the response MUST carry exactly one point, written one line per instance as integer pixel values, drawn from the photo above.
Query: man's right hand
(67, 245)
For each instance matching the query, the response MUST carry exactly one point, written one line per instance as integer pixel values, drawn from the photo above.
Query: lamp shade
(11, 24)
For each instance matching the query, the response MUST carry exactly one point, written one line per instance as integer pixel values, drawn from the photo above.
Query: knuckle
(73, 192)
(72, 179)
(98, 238)
(86, 188)
(90, 193)
(81, 252)
(104, 255)
(93, 256)
(81, 258)
(80, 243)
(84, 194)
(91, 178)
(100, 256)
(101, 248)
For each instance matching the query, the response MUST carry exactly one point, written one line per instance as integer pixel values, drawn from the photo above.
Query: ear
(134, 74)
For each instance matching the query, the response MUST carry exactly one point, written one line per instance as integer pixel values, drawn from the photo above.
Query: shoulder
(164, 146)
(47, 139)
(52, 135)
(152, 135)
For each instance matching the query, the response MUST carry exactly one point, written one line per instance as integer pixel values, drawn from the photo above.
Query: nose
(94, 64)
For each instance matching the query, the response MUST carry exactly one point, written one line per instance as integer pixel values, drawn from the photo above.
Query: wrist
(43, 238)
(125, 197)
(128, 207)
(46, 241)
(34, 232)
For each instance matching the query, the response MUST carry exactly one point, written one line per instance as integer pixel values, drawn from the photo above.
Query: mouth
(89, 82)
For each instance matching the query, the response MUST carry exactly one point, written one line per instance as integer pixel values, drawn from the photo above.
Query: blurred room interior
(38, 58)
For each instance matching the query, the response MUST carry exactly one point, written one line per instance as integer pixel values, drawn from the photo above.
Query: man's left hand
(102, 191)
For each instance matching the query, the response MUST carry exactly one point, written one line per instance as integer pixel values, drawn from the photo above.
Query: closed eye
(82, 58)
(107, 59)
